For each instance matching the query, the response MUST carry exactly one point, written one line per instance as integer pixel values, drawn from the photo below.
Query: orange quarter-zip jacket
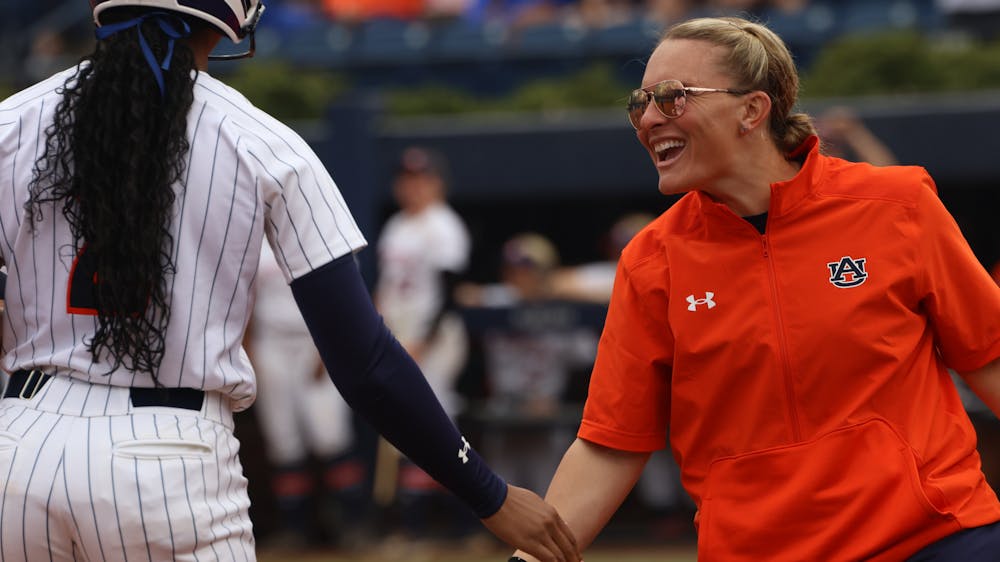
(803, 373)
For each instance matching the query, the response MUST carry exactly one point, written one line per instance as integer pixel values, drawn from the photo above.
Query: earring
(744, 129)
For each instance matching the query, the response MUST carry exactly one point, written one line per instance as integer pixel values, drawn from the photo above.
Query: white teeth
(660, 147)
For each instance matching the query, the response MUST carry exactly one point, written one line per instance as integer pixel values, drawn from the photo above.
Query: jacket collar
(785, 195)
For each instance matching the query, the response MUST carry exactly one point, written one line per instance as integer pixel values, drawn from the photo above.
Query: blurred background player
(306, 424)
(528, 262)
(529, 361)
(593, 281)
(422, 249)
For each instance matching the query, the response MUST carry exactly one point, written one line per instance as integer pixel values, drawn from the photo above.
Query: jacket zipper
(782, 344)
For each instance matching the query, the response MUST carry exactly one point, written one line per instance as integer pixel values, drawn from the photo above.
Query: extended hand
(526, 522)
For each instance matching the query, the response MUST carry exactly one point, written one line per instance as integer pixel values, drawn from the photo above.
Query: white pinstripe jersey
(413, 250)
(247, 176)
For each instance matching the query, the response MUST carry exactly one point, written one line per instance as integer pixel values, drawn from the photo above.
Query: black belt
(26, 384)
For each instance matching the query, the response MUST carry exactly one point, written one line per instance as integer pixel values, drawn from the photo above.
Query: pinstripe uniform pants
(84, 475)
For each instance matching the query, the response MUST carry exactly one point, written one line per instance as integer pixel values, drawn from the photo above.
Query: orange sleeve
(628, 405)
(961, 299)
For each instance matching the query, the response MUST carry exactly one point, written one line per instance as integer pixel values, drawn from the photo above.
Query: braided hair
(113, 157)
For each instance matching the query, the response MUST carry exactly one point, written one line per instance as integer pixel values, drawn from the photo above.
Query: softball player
(301, 415)
(422, 249)
(138, 191)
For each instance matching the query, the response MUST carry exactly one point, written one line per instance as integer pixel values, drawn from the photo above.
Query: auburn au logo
(848, 272)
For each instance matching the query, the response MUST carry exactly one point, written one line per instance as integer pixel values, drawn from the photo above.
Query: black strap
(26, 384)
(187, 398)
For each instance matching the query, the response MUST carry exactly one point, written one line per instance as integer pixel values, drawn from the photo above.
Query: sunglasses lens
(637, 103)
(669, 98)
(667, 95)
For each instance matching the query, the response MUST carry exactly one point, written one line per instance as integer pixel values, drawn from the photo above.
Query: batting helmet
(235, 18)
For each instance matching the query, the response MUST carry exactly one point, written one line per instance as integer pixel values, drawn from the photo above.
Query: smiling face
(696, 150)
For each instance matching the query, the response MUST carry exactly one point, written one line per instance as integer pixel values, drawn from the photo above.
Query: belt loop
(32, 383)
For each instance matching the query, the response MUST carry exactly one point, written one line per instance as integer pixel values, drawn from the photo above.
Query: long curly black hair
(114, 156)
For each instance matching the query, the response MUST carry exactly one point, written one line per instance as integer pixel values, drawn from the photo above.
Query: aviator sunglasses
(669, 97)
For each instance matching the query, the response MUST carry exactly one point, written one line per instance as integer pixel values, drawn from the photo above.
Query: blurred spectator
(596, 14)
(736, 7)
(593, 281)
(305, 423)
(289, 16)
(666, 12)
(352, 11)
(788, 6)
(529, 362)
(978, 18)
(518, 14)
(422, 250)
(845, 135)
(527, 263)
(446, 9)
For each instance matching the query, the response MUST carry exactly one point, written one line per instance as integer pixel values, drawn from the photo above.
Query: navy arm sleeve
(381, 382)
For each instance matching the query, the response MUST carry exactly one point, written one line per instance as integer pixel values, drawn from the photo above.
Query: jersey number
(81, 294)
(80, 297)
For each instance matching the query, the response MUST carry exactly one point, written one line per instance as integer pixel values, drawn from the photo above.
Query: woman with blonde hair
(787, 328)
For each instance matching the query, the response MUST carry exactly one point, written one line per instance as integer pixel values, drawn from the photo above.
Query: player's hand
(526, 522)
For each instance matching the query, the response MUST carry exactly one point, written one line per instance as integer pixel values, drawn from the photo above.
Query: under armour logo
(848, 272)
(463, 453)
(695, 303)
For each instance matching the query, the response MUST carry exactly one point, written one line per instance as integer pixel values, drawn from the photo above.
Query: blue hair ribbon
(165, 21)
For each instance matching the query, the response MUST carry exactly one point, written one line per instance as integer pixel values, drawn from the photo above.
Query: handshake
(519, 520)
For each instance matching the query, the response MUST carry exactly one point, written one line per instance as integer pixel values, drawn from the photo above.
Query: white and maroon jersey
(413, 251)
(247, 176)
